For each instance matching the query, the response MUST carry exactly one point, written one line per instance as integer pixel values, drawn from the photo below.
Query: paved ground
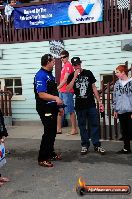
(30, 181)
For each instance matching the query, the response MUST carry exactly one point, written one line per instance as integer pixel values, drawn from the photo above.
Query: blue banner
(57, 14)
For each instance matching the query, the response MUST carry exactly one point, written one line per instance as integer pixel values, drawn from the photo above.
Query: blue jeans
(89, 115)
(68, 101)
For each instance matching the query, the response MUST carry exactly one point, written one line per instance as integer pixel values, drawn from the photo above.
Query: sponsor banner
(57, 14)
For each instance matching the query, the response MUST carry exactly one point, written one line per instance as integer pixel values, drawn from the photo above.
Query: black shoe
(124, 151)
(121, 139)
(56, 157)
(59, 132)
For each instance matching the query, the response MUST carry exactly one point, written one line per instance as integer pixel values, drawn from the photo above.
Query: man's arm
(96, 94)
(48, 97)
(71, 84)
(63, 81)
(114, 103)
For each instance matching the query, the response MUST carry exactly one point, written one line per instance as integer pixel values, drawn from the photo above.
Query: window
(106, 78)
(14, 85)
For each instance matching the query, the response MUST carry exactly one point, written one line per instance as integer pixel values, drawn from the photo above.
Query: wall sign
(126, 45)
(56, 47)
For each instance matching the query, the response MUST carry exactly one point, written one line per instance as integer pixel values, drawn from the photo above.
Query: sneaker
(121, 139)
(124, 151)
(99, 149)
(84, 150)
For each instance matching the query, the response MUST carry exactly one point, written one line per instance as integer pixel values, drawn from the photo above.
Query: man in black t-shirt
(83, 83)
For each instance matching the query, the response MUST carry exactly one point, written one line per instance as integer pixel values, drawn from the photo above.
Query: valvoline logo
(85, 11)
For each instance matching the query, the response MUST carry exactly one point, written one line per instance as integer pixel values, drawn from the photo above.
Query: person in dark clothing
(83, 83)
(1, 2)
(3, 134)
(3, 130)
(48, 104)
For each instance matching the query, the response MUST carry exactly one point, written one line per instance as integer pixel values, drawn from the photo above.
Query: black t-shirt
(83, 89)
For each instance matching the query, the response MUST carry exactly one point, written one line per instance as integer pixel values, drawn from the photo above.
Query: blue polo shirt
(44, 81)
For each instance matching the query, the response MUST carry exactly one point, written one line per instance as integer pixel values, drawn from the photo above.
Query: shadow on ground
(70, 150)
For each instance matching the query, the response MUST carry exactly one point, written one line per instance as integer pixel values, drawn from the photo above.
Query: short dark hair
(65, 52)
(12, 0)
(45, 58)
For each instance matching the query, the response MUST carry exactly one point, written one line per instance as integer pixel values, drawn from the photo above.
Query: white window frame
(14, 97)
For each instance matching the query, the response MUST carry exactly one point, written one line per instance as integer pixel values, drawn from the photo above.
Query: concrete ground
(30, 181)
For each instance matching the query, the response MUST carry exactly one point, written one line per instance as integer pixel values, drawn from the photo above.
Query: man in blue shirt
(48, 104)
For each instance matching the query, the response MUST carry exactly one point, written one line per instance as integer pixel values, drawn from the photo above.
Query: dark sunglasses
(63, 57)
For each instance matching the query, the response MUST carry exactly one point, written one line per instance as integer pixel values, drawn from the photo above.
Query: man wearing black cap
(47, 105)
(83, 83)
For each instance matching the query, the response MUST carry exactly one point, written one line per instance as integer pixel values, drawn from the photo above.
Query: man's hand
(101, 107)
(2, 140)
(58, 101)
(58, 89)
(115, 115)
(76, 73)
(61, 112)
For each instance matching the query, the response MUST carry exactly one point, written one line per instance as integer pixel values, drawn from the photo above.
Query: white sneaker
(84, 150)
(99, 149)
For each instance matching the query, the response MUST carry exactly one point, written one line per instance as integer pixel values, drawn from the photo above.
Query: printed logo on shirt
(82, 84)
(38, 83)
(126, 89)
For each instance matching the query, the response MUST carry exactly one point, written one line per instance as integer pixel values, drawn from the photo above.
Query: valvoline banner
(57, 14)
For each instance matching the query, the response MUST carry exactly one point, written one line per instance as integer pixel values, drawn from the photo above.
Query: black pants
(126, 126)
(49, 120)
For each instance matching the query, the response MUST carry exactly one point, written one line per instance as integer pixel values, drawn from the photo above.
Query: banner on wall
(57, 14)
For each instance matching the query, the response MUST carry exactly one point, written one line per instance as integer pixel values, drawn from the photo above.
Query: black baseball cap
(76, 61)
